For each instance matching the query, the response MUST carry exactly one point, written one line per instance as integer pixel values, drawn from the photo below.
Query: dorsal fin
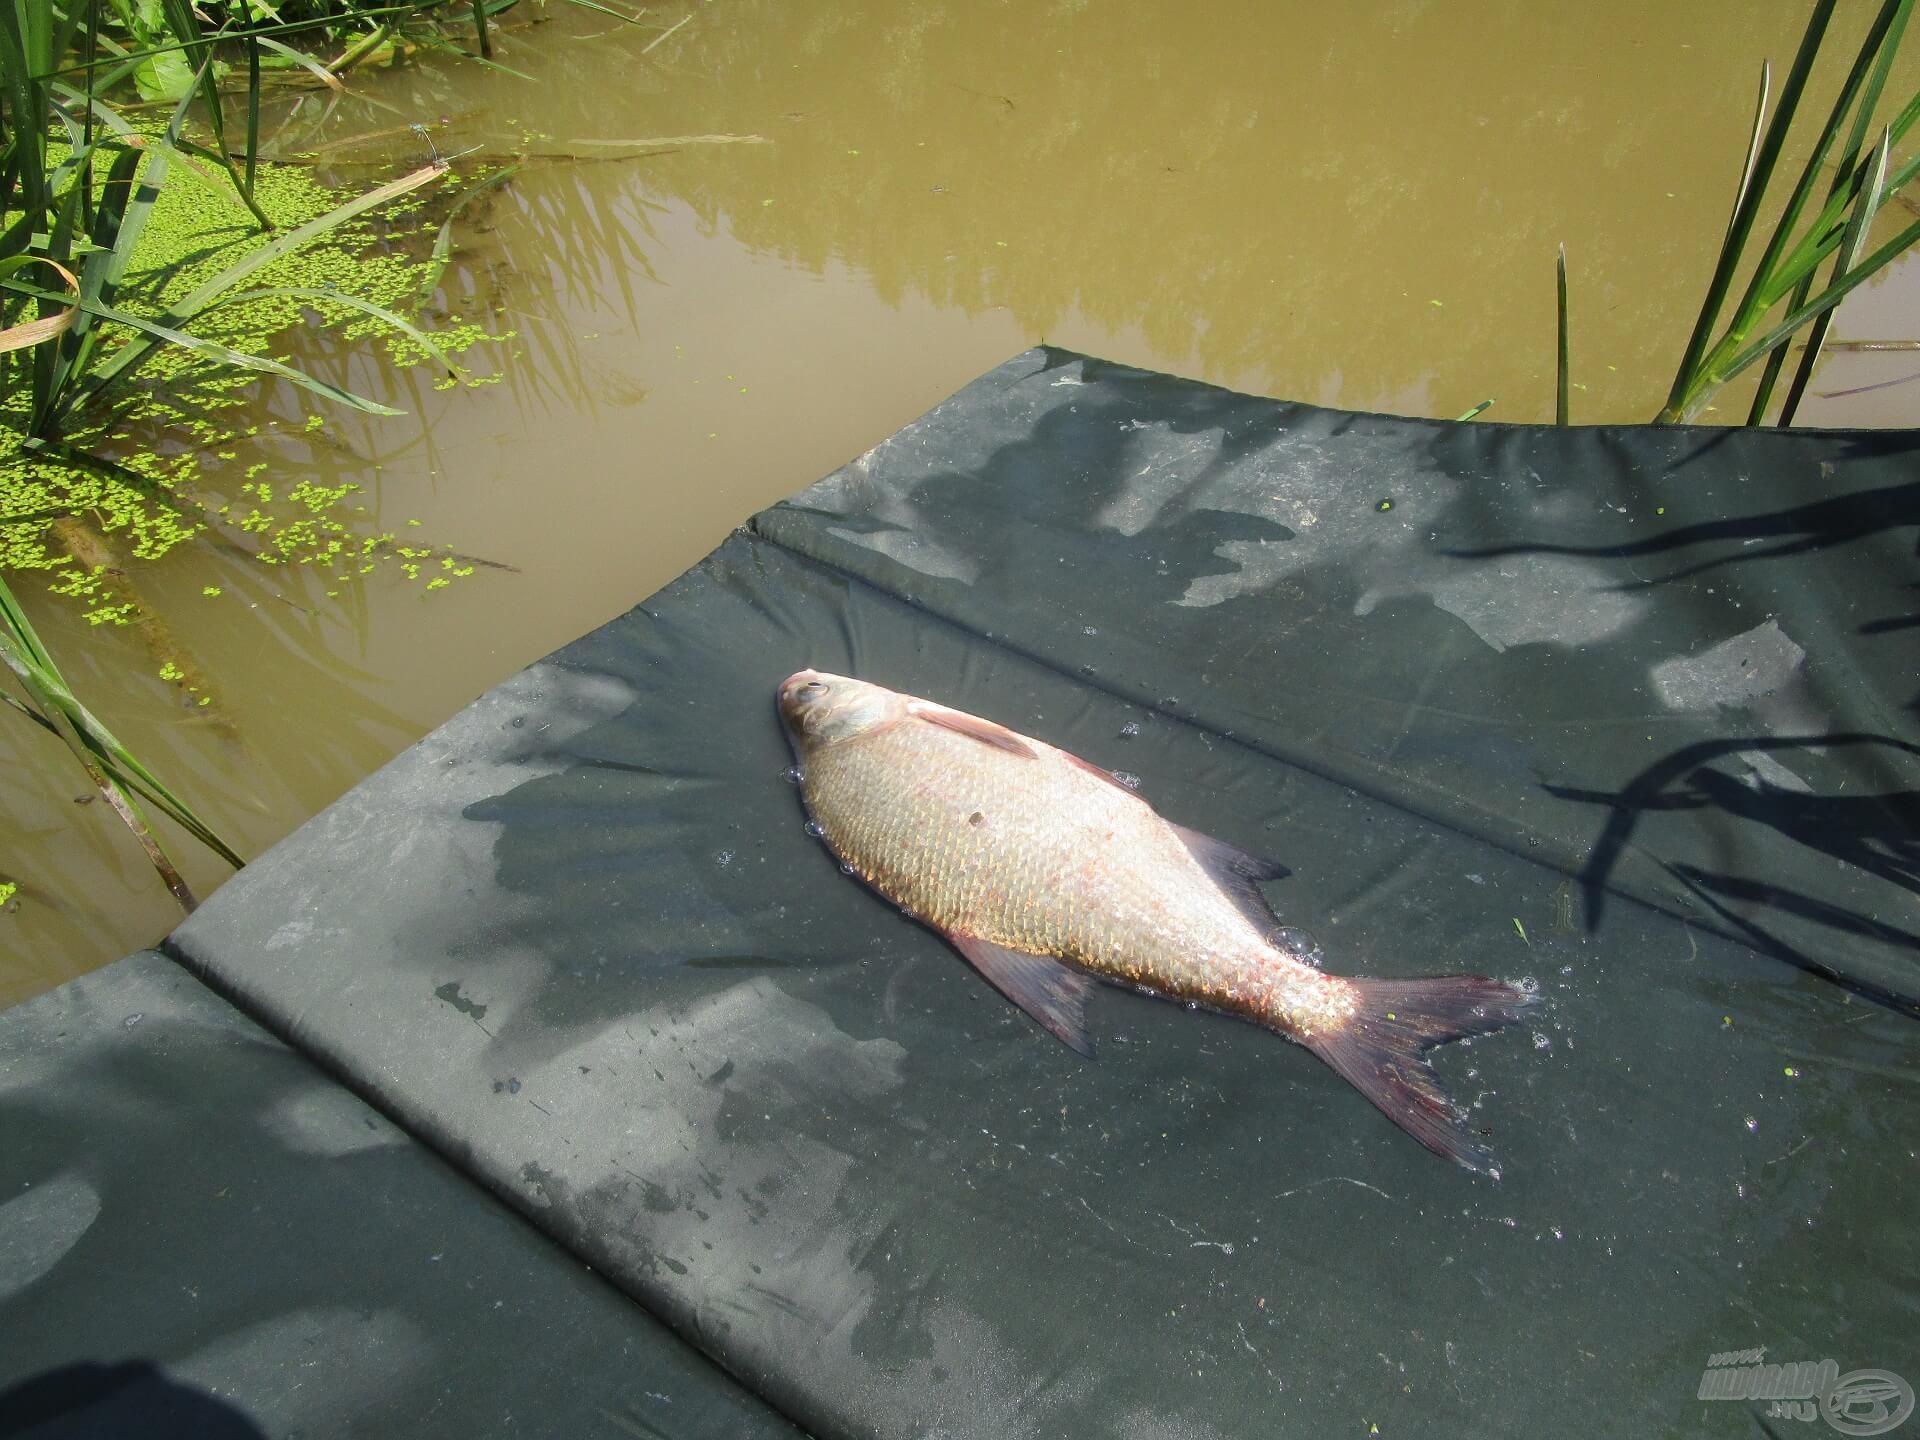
(1106, 775)
(1237, 873)
(973, 727)
(1052, 993)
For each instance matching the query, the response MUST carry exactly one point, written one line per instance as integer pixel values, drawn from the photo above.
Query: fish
(1048, 873)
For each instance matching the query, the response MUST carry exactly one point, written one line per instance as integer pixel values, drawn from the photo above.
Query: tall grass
(1561, 377)
(1816, 253)
(78, 184)
(115, 771)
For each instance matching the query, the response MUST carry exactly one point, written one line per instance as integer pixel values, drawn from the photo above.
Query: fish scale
(1045, 871)
(1007, 879)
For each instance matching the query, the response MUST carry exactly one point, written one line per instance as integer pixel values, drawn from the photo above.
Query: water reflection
(293, 716)
(1357, 205)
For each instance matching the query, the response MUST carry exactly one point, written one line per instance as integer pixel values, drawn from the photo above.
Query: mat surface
(1627, 711)
(202, 1236)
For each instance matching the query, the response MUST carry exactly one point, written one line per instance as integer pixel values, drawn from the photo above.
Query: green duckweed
(159, 488)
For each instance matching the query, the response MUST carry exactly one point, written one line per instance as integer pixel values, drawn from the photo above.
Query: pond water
(737, 255)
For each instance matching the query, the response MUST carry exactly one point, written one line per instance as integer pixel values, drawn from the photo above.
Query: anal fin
(1054, 994)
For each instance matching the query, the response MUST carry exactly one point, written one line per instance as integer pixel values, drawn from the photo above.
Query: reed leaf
(1739, 223)
(185, 25)
(118, 223)
(443, 241)
(1836, 292)
(361, 49)
(1560, 369)
(38, 332)
(50, 715)
(220, 354)
(1817, 334)
(353, 302)
(1753, 190)
(431, 41)
(1871, 198)
(253, 109)
(1797, 246)
(1763, 289)
(633, 19)
(1791, 213)
(106, 759)
(305, 62)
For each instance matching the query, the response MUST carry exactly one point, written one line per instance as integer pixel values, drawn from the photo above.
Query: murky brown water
(1356, 205)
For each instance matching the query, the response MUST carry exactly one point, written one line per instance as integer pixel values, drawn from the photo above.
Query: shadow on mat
(1771, 535)
(1877, 834)
(132, 1397)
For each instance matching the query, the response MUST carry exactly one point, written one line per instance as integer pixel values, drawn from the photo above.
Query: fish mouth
(791, 687)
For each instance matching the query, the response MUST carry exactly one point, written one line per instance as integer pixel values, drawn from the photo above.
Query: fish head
(819, 709)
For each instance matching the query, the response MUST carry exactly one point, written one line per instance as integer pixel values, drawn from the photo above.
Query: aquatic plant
(85, 304)
(1781, 297)
(1560, 367)
(115, 771)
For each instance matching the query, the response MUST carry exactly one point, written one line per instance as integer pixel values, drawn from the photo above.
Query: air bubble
(1541, 1041)
(846, 868)
(793, 775)
(1130, 729)
(1300, 945)
(1131, 781)
(1089, 632)
(816, 829)
(723, 859)
(1753, 1126)
(1527, 985)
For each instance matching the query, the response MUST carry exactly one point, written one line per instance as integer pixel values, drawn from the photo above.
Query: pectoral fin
(1052, 993)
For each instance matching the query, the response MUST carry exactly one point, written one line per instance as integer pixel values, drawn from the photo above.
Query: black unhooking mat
(1628, 711)
(203, 1238)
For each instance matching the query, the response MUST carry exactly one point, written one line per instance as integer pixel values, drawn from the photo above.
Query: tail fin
(1379, 1050)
